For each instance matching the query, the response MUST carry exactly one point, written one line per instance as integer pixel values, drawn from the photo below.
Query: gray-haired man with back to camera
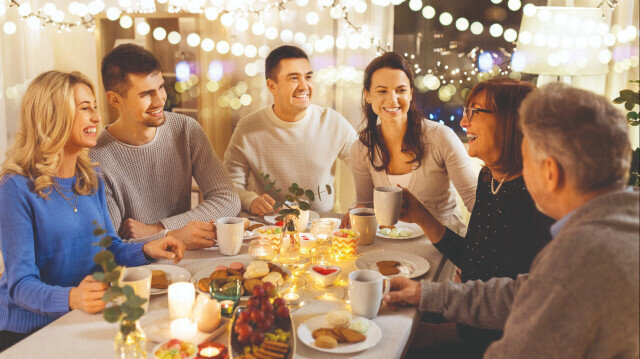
(581, 297)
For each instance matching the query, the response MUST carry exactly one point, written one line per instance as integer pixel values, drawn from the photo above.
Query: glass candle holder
(182, 297)
(262, 249)
(345, 243)
(212, 350)
(227, 307)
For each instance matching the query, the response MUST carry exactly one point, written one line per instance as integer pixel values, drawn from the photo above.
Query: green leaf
(111, 314)
(98, 232)
(629, 105)
(135, 314)
(277, 205)
(111, 266)
(103, 256)
(304, 205)
(328, 189)
(618, 100)
(293, 190)
(289, 198)
(128, 291)
(99, 276)
(299, 192)
(106, 242)
(111, 294)
(309, 194)
(112, 276)
(296, 212)
(135, 302)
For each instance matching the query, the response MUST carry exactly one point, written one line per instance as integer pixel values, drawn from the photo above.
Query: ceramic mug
(364, 221)
(229, 231)
(387, 201)
(139, 279)
(366, 290)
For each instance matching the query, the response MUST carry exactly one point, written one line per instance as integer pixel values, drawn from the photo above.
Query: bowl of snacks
(324, 275)
(344, 242)
(263, 327)
(175, 349)
(272, 233)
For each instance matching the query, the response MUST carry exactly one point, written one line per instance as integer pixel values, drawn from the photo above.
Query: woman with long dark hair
(398, 146)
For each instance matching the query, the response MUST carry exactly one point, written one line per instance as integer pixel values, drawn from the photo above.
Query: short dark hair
(504, 96)
(278, 54)
(371, 136)
(123, 60)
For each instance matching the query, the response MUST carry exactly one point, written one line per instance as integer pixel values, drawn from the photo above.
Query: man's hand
(87, 296)
(165, 248)
(132, 229)
(403, 291)
(346, 220)
(412, 209)
(196, 235)
(262, 205)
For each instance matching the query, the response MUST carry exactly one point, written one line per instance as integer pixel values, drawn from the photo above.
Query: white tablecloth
(81, 335)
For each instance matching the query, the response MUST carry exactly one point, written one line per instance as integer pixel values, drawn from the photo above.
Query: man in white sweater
(292, 141)
(149, 156)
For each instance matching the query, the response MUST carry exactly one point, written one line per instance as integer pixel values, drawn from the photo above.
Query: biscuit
(234, 277)
(219, 274)
(159, 282)
(351, 336)
(388, 263)
(325, 341)
(254, 226)
(250, 283)
(275, 268)
(203, 284)
(388, 270)
(388, 227)
(158, 273)
(326, 332)
(233, 272)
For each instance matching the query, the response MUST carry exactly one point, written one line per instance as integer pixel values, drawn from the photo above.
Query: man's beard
(154, 123)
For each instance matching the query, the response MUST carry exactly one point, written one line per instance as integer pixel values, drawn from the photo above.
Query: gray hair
(581, 130)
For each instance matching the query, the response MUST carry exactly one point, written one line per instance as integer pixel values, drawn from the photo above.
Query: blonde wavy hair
(46, 120)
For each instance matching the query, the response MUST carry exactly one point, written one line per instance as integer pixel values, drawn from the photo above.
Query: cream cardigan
(445, 161)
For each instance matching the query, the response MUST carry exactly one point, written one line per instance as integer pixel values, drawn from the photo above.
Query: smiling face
(144, 100)
(390, 94)
(292, 88)
(481, 131)
(85, 121)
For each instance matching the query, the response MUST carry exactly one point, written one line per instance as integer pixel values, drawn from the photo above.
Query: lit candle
(226, 307)
(291, 298)
(307, 242)
(211, 350)
(183, 329)
(182, 296)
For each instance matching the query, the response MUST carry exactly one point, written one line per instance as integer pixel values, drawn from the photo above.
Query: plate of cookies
(394, 263)
(339, 332)
(249, 273)
(163, 274)
(401, 230)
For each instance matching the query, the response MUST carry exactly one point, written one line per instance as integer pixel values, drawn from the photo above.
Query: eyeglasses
(471, 111)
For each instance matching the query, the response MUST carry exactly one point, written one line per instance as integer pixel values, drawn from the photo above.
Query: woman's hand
(87, 296)
(412, 209)
(165, 248)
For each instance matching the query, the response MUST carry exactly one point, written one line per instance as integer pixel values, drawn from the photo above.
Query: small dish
(324, 279)
(158, 347)
(305, 333)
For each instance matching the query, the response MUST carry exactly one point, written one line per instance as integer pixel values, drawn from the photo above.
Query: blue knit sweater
(48, 249)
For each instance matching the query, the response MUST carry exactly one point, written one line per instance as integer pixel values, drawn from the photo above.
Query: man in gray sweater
(581, 297)
(149, 156)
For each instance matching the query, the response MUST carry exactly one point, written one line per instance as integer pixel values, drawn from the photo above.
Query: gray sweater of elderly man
(580, 299)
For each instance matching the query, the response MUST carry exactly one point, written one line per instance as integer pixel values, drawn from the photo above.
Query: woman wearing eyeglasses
(399, 147)
(506, 230)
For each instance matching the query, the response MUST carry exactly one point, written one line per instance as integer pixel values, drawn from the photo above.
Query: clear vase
(130, 342)
(288, 253)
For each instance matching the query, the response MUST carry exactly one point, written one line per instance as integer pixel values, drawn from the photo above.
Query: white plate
(174, 274)
(160, 332)
(414, 231)
(249, 235)
(206, 272)
(306, 329)
(272, 217)
(411, 265)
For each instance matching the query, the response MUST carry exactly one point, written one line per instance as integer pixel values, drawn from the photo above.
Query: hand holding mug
(411, 208)
(404, 291)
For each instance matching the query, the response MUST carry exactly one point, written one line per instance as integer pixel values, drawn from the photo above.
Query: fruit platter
(263, 328)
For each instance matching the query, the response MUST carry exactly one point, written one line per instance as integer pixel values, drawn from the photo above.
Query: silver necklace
(59, 189)
(495, 191)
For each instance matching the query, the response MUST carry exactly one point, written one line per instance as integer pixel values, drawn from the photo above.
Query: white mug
(366, 290)
(364, 221)
(139, 279)
(229, 231)
(387, 201)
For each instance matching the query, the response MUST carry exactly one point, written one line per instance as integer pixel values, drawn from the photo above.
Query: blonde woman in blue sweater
(50, 192)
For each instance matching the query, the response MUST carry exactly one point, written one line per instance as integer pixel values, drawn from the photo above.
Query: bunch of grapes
(260, 315)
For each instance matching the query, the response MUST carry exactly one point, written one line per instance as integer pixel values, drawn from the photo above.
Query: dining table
(81, 335)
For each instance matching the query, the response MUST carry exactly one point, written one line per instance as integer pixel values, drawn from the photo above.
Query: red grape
(257, 315)
(244, 315)
(283, 312)
(269, 316)
(244, 331)
(267, 306)
(257, 337)
(270, 289)
(278, 302)
(265, 325)
(258, 291)
(241, 321)
(253, 302)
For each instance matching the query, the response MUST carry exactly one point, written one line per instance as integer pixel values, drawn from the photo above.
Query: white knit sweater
(301, 152)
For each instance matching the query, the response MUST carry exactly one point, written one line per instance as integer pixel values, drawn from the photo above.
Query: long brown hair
(504, 96)
(370, 136)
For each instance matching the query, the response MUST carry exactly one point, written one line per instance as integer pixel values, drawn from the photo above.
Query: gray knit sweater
(580, 299)
(151, 183)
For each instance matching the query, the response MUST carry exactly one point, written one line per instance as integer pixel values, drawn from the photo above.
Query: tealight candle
(182, 296)
(226, 307)
(291, 298)
(183, 328)
(307, 242)
(211, 350)
(262, 249)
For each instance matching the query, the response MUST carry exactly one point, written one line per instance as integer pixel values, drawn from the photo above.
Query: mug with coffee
(366, 290)
(387, 201)
(364, 221)
(229, 231)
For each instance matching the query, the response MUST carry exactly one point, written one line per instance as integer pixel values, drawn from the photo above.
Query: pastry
(256, 269)
(203, 284)
(388, 270)
(234, 272)
(237, 266)
(325, 341)
(274, 277)
(159, 282)
(324, 331)
(219, 274)
(275, 268)
(351, 336)
(250, 283)
(339, 318)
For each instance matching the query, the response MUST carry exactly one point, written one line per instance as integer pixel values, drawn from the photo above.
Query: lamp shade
(562, 41)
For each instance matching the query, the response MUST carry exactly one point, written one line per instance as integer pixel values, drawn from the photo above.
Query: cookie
(233, 272)
(388, 263)
(275, 268)
(203, 284)
(324, 332)
(158, 273)
(219, 274)
(234, 277)
(237, 266)
(250, 283)
(159, 282)
(351, 336)
(388, 270)
(255, 226)
(325, 341)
